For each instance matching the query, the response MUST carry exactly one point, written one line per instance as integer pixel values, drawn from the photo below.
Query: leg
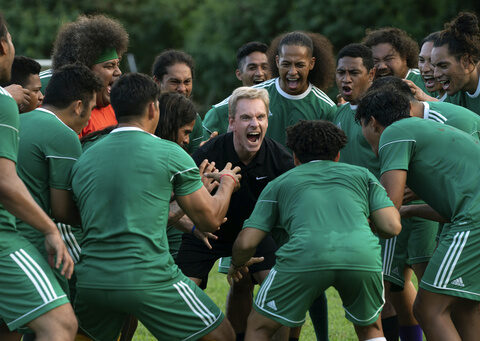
(260, 327)
(371, 331)
(57, 324)
(466, 318)
(224, 332)
(197, 281)
(7, 335)
(419, 270)
(129, 328)
(319, 315)
(239, 304)
(433, 312)
(389, 316)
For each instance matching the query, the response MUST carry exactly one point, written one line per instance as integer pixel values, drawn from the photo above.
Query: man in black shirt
(261, 160)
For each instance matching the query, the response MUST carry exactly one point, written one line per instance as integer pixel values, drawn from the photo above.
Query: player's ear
(371, 74)
(337, 158)
(296, 161)
(277, 60)
(238, 74)
(312, 63)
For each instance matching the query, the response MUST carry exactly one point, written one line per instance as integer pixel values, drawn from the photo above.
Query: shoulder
(322, 97)
(213, 148)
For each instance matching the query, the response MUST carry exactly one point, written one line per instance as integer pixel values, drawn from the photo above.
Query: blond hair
(245, 92)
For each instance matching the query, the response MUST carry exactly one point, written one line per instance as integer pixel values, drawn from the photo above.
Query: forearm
(175, 214)
(17, 200)
(183, 224)
(423, 211)
(240, 253)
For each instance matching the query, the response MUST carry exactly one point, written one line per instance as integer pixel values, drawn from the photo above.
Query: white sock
(377, 339)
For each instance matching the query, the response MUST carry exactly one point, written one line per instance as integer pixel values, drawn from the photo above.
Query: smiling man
(253, 65)
(261, 160)
(303, 63)
(99, 43)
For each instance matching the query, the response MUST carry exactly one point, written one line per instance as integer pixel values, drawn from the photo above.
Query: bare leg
(197, 281)
(260, 328)
(239, 304)
(224, 332)
(433, 312)
(7, 335)
(57, 324)
(369, 332)
(466, 318)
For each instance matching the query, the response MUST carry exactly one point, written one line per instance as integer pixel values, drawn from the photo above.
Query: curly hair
(168, 58)
(462, 36)
(85, 39)
(315, 140)
(399, 39)
(322, 74)
(386, 105)
(175, 111)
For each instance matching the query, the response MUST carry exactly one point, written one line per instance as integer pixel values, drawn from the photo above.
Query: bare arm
(16, 199)
(394, 182)
(63, 207)
(386, 222)
(207, 211)
(423, 211)
(418, 93)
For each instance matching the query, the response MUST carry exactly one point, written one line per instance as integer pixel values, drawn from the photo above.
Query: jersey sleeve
(185, 176)
(9, 123)
(61, 157)
(377, 195)
(395, 149)
(216, 119)
(265, 214)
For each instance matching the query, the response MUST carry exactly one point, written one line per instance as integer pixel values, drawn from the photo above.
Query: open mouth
(347, 90)
(429, 81)
(445, 85)
(258, 80)
(293, 83)
(253, 137)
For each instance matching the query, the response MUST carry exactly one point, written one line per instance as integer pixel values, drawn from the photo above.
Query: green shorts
(28, 287)
(286, 297)
(455, 266)
(415, 244)
(224, 264)
(174, 237)
(177, 310)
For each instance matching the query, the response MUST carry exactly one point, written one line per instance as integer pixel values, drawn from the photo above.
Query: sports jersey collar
(121, 129)
(353, 106)
(294, 97)
(408, 73)
(53, 114)
(477, 92)
(442, 99)
(426, 110)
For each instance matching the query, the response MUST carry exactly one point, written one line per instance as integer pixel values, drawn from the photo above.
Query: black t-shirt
(271, 161)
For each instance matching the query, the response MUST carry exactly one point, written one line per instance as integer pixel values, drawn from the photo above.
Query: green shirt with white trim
(123, 185)
(467, 100)
(9, 123)
(442, 164)
(47, 151)
(323, 206)
(285, 110)
(415, 76)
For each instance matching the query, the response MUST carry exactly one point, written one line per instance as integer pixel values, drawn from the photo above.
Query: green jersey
(442, 164)
(196, 136)
(467, 100)
(122, 185)
(285, 110)
(415, 76)
(45, 78)
(47, 151)
(357, 150)
(323, 206)
(453, 115)
(9, 123)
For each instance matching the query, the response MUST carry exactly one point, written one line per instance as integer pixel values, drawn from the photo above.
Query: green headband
(108, 54)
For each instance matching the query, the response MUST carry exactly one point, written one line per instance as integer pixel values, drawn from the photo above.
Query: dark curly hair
(168, 58)
(22, 68)
(462, 36)
(175, 111)
(385, 105)
(399, 39)
(322, 74)
(315, 140)
(85, 39)
(357, 51)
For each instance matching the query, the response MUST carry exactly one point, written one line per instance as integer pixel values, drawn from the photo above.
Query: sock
(390, 328)
(410, 333)
(319, 315)
(377, 339)
(240, 336)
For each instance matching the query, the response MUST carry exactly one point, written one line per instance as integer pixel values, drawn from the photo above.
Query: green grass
(339, 327)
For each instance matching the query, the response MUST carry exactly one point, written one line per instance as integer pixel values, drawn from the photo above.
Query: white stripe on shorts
(194, 303)
(388, 254)
(38, 278)
(262, 293)
(451, 258)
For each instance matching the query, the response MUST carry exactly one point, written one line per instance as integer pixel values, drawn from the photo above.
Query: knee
(419, 310)
(68, 322)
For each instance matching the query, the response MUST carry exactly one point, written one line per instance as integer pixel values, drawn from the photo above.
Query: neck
(416, 109)
(136, 124)
(472, 84)
(244, 155)
(62, 114)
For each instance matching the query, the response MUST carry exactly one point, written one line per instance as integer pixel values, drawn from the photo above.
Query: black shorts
(196, 260)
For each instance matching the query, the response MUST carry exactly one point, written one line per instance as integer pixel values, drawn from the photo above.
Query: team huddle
(117, 198)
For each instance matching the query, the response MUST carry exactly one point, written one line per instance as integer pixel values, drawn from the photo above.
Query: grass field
(339, 327)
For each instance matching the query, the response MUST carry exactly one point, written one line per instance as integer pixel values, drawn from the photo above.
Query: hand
(205, 236)
(236, 273)
(208, 167)
(340, 100)
(56, 249)
(233, 174)
(21, 95)
(409, 195)
(212, 135)
(417, 92)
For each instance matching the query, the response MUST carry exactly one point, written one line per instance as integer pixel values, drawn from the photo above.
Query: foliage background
(212, 30)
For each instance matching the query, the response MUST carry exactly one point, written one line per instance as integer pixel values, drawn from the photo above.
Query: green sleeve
(395, 149)
(377, 195)
(9, 123)
(61, 158)
(216, 119)
(196, 135)
(185, 176)
(265, 214)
